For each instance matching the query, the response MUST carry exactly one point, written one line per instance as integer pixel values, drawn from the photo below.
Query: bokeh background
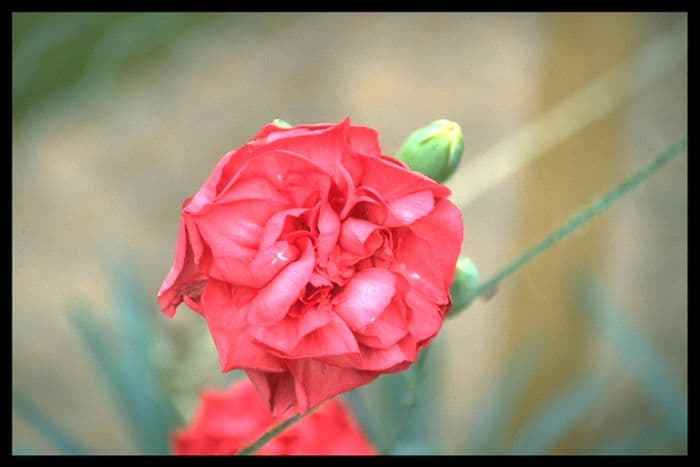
(117, 118)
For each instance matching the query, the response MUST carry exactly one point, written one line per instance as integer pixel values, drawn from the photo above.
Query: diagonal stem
(264, 439)
(597, 207)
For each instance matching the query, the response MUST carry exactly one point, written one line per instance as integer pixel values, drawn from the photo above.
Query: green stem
(597, 207)
(264, 439)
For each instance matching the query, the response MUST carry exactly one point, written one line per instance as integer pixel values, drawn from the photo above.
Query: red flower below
(318, 262)
(230, 420)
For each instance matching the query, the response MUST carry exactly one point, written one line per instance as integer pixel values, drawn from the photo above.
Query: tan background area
(102, 166)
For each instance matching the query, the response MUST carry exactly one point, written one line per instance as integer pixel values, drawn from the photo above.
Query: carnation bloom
(318, 262)
(229, 420)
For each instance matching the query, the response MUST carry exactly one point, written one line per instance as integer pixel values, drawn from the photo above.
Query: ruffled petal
(425, 318)
(223, 307)
(394, 181)
(276, 389)
(325, 146)
(284, 335)
(417, 263)
(273, 301)
(234, 230)
(364, 140)
(443, 229)
(269, 261)
(383, 360)
(388, 329)
(285, 174)
(334, 338)
(365, 297)
(183, 279)
(328, 232)
(315, 381)
(360, 237)
(408, 209)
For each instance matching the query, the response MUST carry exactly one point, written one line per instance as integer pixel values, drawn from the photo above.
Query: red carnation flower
(318, 262)
(230, 420)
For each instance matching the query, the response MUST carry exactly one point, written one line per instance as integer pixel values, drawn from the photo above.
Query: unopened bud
(465, 283)
(281, 123)
(434, 150)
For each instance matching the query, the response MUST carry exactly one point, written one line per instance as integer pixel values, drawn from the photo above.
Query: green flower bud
(281, 123)
(466, 281)
(434, 150)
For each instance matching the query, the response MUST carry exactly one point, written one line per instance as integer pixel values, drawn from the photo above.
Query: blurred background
(117, 118)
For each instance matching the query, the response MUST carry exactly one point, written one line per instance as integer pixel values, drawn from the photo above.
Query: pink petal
(284, 335)
(234, 271)
(271, 260)
(394, 181)
(444, 229)
(417, 262)
(324, 147)
(334, 338)
(343, 187)
(183, 277)
(317, 280)
(364, 297)
(234, 230)
(289, 175)
(364, 140)
(252, 188)
(223, 310)
(278, 390)
(275, 225)
(425, 318)
(371, 359)
(355, 233)
(272, 302)
(328, 231)
(407, 209)
(272, 132)
(366, 203)
(387, 330)
(315, 382)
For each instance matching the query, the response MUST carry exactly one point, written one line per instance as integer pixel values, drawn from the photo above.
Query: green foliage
(55, 434)
(56, 52)
(560, 416)
(399, 408)
(557, 418)
(640, 357)
(125, 361)
(495, 413)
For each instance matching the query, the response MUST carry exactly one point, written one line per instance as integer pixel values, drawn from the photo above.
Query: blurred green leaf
(128, 367)
(74, 52)
(414, 447)
(22, 449)
(421, 383)
(63, 441)
(639, 354)
(634, 442)
(366, 417)
(399, 406)
(497, 411)
(556, 419)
